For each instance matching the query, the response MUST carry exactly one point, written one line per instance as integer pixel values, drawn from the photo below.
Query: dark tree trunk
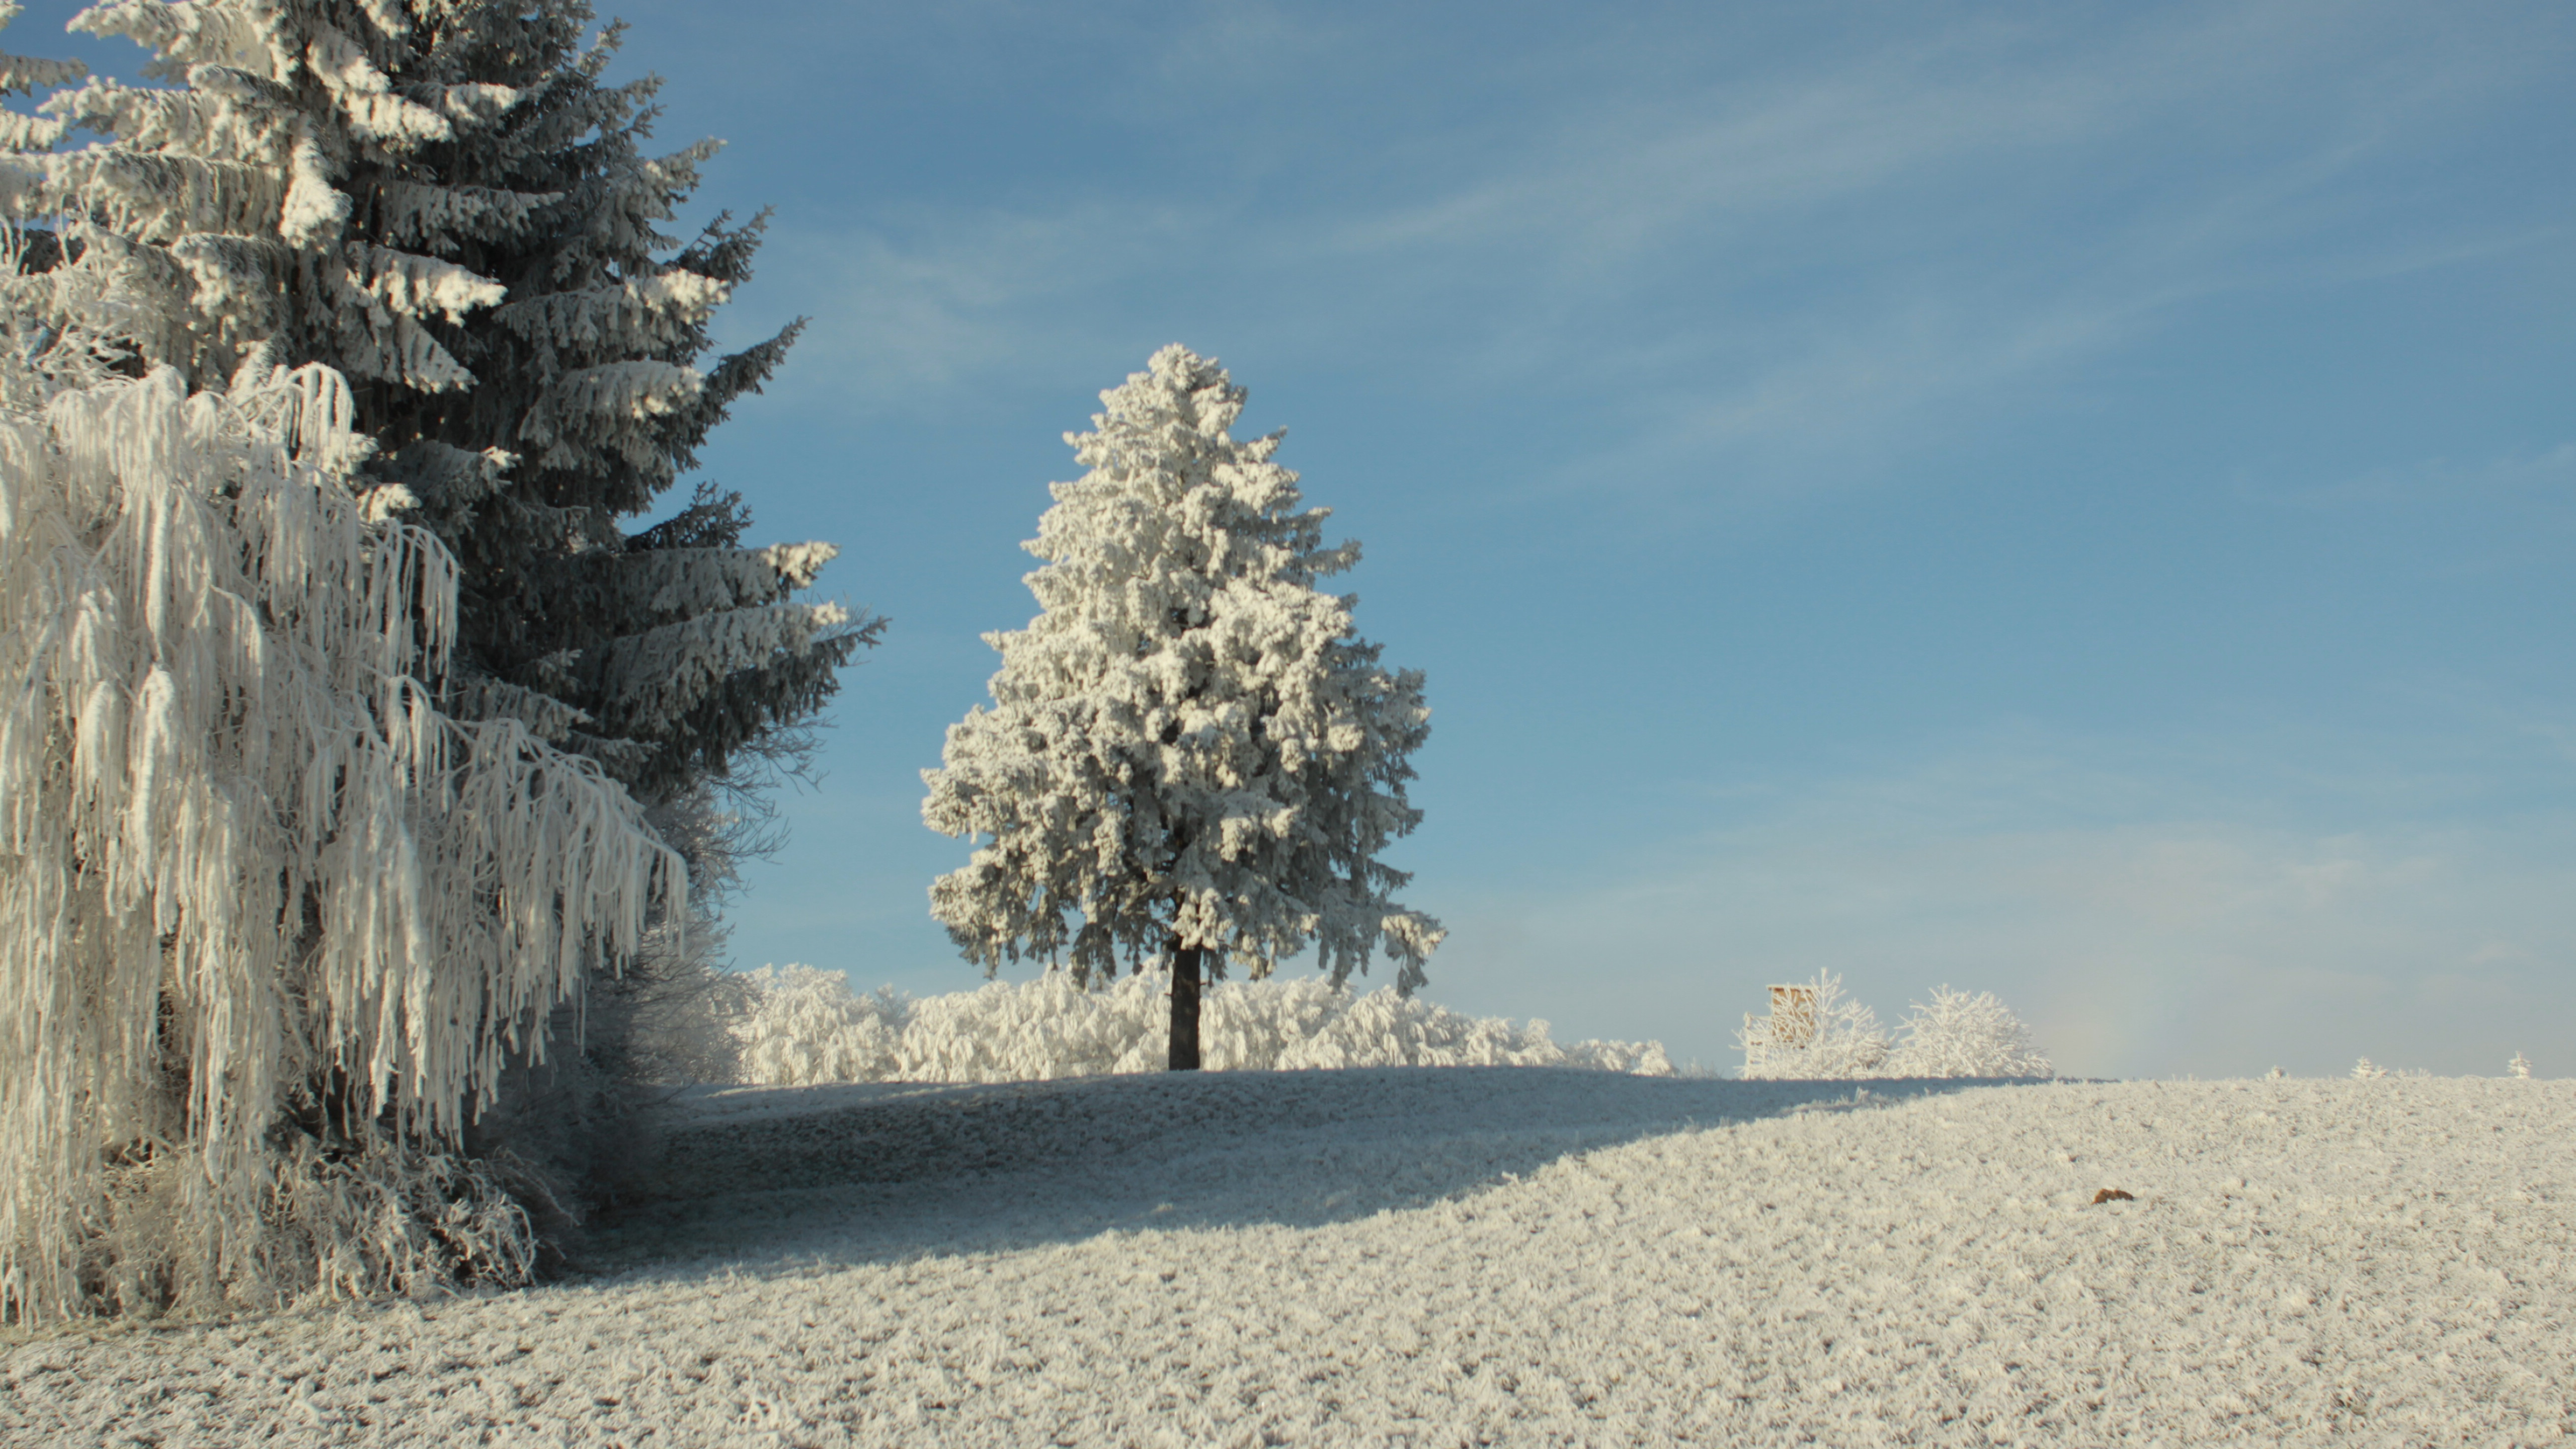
(1185, 1007)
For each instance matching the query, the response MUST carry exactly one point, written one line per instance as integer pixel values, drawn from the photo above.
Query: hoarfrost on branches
(243, 853)
(805, 1026)
(1841, 1038)
(1955, 1034)
(445, 202)
(2519, 1066)
(1190, 750)
(1959, 1035)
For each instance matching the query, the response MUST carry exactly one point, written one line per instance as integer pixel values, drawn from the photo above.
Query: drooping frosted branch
(238, 844)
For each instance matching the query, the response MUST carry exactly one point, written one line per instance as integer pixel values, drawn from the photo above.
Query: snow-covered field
(1470, 1255)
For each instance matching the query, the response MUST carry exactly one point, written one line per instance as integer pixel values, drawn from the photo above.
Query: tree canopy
(1190, 748)
(442, 201)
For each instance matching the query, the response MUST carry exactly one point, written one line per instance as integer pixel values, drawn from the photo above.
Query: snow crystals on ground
(1473, 1255)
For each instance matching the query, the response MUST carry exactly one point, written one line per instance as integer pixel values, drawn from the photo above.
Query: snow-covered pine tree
(1191, 754)
(440, 199)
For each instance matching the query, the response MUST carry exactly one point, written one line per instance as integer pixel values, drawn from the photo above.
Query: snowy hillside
(1473, 1255)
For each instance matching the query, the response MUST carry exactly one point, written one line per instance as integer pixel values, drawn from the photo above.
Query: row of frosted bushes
(1955, 1034)
(797, 1026)
(801, 1026)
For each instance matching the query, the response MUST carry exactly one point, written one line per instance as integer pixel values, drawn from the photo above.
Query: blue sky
(2069, 500)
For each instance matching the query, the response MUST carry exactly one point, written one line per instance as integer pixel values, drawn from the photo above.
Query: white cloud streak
(2140, 924)
(1809, 262)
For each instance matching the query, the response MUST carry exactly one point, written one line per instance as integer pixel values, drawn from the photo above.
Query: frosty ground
(1468, 1255)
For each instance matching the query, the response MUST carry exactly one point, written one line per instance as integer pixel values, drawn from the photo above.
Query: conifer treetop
(1190, 746)
(442, 201)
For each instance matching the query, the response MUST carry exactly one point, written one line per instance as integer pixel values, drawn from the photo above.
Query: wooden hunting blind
(1793, 1015)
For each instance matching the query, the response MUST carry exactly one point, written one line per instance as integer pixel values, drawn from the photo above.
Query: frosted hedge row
(798, 1026)
(801, 1026)
(2366, 1070)
(1955, 1034)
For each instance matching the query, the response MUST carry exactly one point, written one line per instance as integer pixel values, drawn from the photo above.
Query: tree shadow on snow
(887, 1172)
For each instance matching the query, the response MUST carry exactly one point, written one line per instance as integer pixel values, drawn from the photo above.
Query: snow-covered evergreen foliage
(2519, 1066)
(803, 1026)
(440, 199)
(1190, 748)
(2366, 1070)
(270, 923)
(1953, 1035)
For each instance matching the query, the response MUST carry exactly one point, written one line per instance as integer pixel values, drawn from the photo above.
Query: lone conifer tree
(1190, 752)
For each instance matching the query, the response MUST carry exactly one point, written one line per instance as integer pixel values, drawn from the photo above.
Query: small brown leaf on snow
(2113, 1194)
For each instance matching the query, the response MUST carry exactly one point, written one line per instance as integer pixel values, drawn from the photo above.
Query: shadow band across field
(888, 1171)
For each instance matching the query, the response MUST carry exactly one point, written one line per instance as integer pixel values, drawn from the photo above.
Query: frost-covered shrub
(2366, 1070)
(2520, 1066)
(1959, 1035)
(805, 1026)
(1954, 1035)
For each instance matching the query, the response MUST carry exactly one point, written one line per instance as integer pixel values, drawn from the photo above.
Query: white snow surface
(1472, 1255)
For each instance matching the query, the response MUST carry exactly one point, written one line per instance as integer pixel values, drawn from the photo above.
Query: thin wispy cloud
(2168, 932)
(2548, 475)
(956, 305)
(1803, 264)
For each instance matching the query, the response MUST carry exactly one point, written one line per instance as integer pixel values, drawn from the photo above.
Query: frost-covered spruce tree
(440, 199)
(1191, 755)
(270, 922)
